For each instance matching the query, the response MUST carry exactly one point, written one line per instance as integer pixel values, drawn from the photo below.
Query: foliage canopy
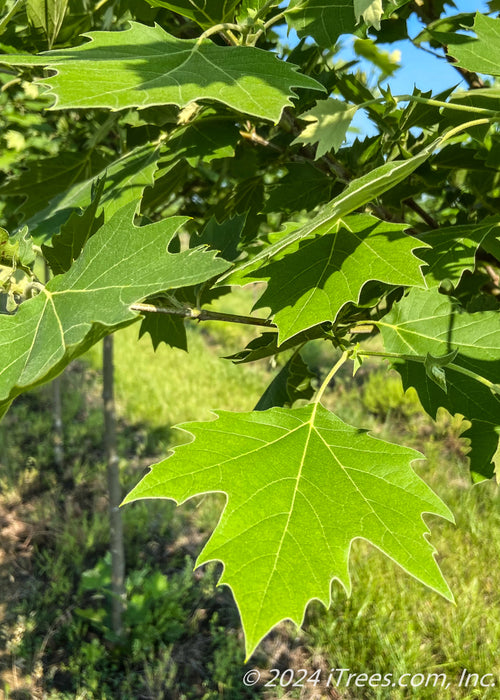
(158, 154)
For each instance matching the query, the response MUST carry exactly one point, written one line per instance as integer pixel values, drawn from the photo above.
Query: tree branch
(203, 315)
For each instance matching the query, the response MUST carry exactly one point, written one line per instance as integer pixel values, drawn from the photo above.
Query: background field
(183, 634)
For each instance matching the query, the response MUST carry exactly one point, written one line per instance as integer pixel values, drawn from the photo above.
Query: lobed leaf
(120, 265)
(315, 278)
(144, 66)
(301, 485)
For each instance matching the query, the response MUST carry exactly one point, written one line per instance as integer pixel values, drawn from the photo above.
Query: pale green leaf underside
(120, 265)
(329, 121)
(144, 66)
(481, 54)
(316, 278)
(426, 321)
(301, 485)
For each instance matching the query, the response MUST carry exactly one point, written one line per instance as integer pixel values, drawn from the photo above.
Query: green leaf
(481, 54)
(144, 66)
(204, 12)
(120, 265)
(293, 382)
(45, 178)
(453, 250)
(125, 180)
(164, 328)
(323, 21)
(301, 485)
(47, 16)
(329, 122)
(65, 247)
(16, 250)
(370, 10)
(385, 61)
(434, 367)
(303, 187)
(316, 277)
(427, 322)
(360, 191)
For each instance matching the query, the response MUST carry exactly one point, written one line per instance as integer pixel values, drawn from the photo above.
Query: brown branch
(429, 220)
(203, 315)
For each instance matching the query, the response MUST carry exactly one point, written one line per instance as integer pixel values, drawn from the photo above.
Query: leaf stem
(343, 359)
(203, 315)
(494, 388)
(217, 28)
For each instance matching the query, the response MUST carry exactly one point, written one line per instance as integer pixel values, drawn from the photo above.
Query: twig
(203, 315)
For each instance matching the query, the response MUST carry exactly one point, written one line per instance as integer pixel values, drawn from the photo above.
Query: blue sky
(418, 68)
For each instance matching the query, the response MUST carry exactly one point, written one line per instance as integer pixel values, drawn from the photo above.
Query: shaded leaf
(301, 485)
(47, 16)
(125, 180)
(144, 66)
(293, 382)
(66, 246)
(164, 328)
(204, 12)
(323, 21)
(453, 250)
(303, 187)
(426, 321)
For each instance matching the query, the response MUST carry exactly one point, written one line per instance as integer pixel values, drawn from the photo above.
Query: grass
(184, 639)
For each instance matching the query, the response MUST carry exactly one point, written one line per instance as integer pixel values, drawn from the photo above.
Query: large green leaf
(426, 322)
(301, 485)
(144, 66)
(360, 191)
(454, 250)
(121, 264)
(481, 54)
(316, 277)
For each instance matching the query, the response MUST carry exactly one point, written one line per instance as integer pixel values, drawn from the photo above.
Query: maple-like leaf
(120, 265)
(481, 54)
(301, 485)
(144, 66)
(427, 322)
(329, 121)
(312, 280)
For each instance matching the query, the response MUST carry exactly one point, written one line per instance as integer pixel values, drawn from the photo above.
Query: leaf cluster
(187, 150)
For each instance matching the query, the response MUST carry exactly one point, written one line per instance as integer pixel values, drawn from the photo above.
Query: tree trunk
(114, 490)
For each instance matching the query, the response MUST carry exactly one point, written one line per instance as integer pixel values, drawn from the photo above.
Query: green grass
(184, 639)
